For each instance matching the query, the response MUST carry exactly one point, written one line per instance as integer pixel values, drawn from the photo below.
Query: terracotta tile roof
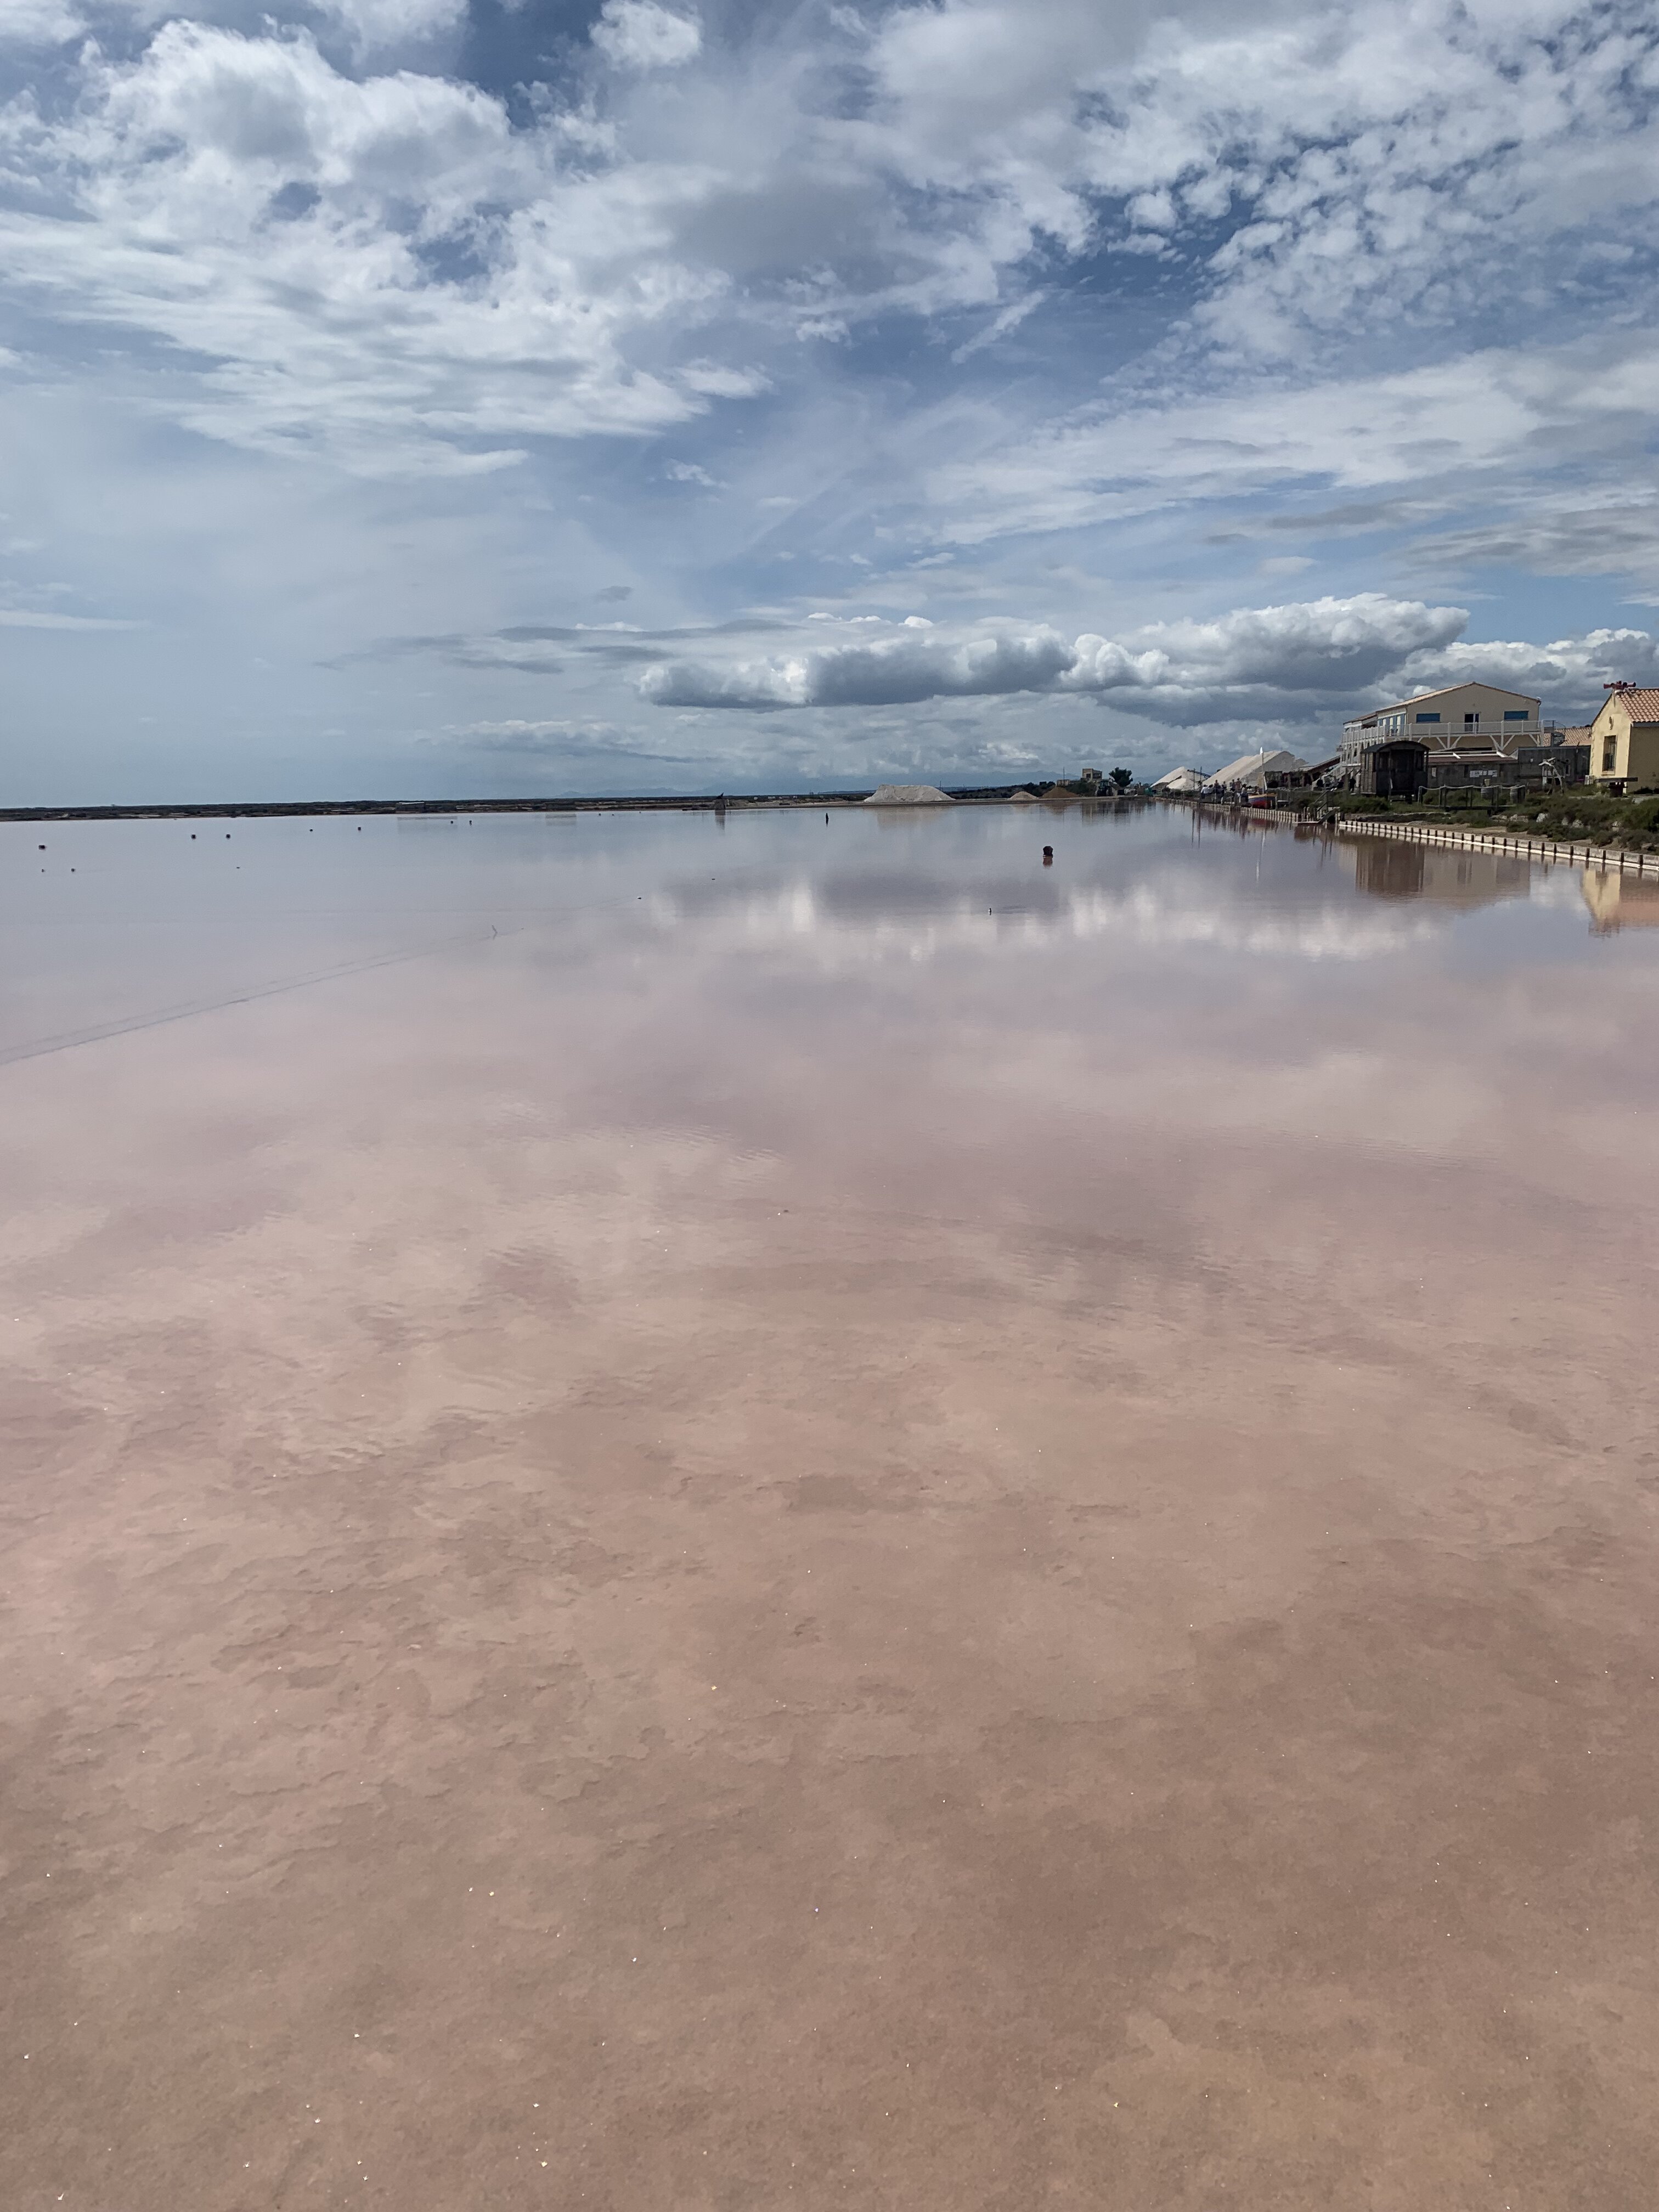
(1643, 705)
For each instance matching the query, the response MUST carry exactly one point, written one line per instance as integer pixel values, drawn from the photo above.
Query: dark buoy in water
(1047, 856)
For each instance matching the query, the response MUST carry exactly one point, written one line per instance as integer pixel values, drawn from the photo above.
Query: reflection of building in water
(1402, 871)
(1621, 901)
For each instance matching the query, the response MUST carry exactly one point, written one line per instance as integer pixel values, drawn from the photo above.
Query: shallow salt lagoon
(719, 1513)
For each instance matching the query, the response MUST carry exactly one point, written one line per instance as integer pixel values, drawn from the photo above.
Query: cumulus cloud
(1305, 663)
(1568, 674)
(38, 23)
(638, 34)
(1254, 664)
(879, 671)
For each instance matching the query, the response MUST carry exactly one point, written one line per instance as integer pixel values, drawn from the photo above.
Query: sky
(439, 398)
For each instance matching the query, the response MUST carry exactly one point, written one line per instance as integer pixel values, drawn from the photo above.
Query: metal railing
(1574, 853)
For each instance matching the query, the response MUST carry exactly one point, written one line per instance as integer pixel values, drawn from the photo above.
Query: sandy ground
(552, 1659)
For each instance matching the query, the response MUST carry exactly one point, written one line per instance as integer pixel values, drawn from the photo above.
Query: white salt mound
(909, 795)
(1021, 799)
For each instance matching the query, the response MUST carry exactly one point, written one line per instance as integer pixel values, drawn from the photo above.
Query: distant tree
(1122, 778)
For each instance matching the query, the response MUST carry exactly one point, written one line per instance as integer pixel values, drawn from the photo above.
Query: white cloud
(38, 23)
(638, 34)
(1451, 426)
(1010, 320)
(1257, 663)
(887, 671)
(383, 270)
(1258, 658)
(1366, 155)
(555, 740)
(373, 25)
(384, 267)
(33, 618)
(1568, 674)
(1304, 663)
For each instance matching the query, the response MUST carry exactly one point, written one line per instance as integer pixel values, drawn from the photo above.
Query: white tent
(1257, 770)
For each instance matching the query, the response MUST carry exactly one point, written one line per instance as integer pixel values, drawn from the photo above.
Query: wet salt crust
(737, 1514)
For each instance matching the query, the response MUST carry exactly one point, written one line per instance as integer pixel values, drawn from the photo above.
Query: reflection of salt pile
(909, 795)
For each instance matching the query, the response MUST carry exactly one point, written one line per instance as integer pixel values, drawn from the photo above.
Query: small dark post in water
(1047, 856)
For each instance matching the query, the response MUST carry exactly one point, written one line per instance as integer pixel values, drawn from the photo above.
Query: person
(1047, 856)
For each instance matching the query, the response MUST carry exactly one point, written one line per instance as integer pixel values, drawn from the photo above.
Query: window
(1428, 718)
(1609, 755)
(1517, 714)
(1469, 721)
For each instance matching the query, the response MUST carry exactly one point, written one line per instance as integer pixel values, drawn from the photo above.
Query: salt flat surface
(792, 1514)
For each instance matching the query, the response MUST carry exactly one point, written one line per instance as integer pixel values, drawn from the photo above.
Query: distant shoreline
(729, 802)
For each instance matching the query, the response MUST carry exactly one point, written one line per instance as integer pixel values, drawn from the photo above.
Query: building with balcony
(1465, 717)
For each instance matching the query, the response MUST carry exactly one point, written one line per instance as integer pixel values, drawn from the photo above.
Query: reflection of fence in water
(1621, 889)
(1572, 850)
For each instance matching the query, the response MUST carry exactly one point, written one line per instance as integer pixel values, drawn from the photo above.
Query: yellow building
(1624, 739)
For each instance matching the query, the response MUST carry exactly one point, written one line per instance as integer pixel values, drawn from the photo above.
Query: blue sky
(398, 395)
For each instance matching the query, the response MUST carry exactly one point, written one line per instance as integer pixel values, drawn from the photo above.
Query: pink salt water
(778, 1514)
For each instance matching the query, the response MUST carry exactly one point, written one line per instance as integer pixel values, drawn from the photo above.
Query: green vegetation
(1584, 815)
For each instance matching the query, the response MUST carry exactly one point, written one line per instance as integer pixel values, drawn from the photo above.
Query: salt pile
(909, 795)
